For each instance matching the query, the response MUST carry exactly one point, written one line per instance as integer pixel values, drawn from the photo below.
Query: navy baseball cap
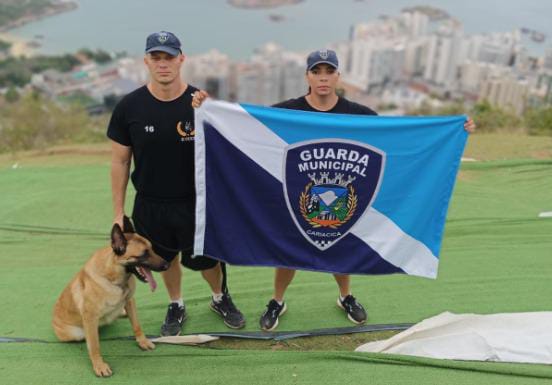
(326, 56)
(163, 41)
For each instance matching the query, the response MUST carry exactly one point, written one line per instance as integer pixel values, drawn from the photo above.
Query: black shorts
(169, 226)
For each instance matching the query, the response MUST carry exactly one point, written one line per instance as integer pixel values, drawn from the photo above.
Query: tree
(34, 122)
(12, 95)
(18, 71)
(491, 119)
(99, 56)
(4, 46)
(539, 121)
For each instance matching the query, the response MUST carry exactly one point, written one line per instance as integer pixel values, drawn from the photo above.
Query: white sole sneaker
(277, 319)
(339, 305)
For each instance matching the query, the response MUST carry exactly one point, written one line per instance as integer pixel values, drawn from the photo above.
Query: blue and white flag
(327, 192)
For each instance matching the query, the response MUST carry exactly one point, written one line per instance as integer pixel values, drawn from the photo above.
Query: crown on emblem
(337, 180)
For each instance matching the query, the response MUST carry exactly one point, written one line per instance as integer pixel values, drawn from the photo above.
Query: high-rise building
(507, 92)
(270, 76)
(210, 71)
(415, 56)
(496, 48)
(376, 63)
(444, 55)
(416, 23)
(547, 64)
(474, 73)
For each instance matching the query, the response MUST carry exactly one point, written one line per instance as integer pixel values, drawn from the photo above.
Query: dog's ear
(127, 225)
(118, 240)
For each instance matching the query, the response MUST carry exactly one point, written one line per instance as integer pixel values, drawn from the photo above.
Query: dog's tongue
(149, 278)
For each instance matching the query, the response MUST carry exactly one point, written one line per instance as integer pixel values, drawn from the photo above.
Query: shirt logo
(149, 129)
(186, 131)
(328, 185)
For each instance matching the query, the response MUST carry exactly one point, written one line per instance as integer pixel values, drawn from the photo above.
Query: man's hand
(470, 125)
(199, 97)
(119, 219)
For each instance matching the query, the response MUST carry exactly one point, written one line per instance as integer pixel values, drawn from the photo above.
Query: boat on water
(534, 35)
(276, 17)
(34, 44)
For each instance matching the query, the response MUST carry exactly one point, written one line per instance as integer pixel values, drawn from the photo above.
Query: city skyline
(402, 61)
(421, 56)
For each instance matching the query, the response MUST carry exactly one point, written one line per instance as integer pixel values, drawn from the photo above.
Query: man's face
(163, 68)
(322, 79)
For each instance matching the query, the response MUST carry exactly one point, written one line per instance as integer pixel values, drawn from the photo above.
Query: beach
(19, 45)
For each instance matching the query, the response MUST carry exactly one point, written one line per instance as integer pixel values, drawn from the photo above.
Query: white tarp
(507, 337)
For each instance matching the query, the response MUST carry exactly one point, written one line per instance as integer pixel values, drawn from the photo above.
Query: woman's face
(322, 79)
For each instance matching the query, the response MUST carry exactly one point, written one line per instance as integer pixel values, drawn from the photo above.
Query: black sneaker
(232, 317)
(174, 319)
(355, 311)
(269, 319)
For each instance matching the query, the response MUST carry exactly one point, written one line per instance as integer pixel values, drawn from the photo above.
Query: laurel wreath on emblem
(351, 206)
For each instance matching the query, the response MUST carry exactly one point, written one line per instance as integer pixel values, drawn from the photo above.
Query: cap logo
(162, 37)
(323, 54)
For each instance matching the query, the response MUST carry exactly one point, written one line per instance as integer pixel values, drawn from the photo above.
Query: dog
(105, 286)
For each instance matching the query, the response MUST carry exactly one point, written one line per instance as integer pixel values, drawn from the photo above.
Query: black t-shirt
(161, 135)
(343, 106)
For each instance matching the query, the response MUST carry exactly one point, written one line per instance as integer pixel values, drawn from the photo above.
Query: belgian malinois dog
(105, 285)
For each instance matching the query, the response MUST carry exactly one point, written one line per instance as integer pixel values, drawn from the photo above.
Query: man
(154, 126)
(322, 77)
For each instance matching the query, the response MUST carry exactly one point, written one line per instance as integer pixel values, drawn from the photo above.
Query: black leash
(277, 336)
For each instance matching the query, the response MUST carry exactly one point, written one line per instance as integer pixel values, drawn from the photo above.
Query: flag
(348, 194)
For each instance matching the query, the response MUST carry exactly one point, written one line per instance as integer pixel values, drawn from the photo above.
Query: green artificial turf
(495, 258)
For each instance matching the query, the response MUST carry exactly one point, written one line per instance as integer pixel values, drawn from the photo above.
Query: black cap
(163, 41)
(326, 56)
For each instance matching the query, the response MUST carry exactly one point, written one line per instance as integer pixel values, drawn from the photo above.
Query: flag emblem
(328, 185)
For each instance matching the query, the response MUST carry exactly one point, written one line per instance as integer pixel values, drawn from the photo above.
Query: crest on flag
(328, 185)
(328, 202)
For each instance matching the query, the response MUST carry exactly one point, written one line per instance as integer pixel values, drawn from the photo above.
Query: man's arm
(120, 170)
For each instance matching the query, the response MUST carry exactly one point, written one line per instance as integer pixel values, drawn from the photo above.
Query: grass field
(55, 210)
